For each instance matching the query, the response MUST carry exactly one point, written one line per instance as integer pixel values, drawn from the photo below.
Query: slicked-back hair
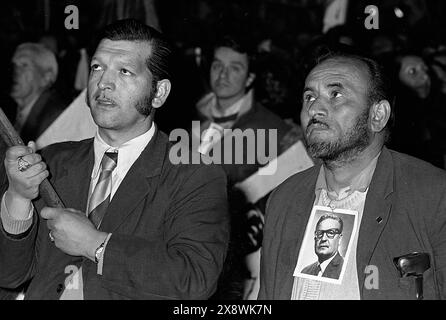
(236, 43)
(133, 30)
(333, 217)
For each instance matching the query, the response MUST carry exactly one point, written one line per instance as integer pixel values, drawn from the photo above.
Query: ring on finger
(22, 164)
(50, 234)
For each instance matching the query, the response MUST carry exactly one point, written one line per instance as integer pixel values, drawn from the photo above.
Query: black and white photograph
(327, 244)
(178, 150)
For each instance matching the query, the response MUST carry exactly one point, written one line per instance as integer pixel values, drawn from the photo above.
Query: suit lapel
(73, 182)
(333, 269)
(376, 213)
(33, 119)
(337, 260)
(140, 182)
(293, 231)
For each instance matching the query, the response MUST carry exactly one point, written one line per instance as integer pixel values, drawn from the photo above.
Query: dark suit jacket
(258, 117)
(405, 211)
(43, 113)
(169, 224)
(333, 269)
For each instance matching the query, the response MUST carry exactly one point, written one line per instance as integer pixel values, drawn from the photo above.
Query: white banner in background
(74, 124)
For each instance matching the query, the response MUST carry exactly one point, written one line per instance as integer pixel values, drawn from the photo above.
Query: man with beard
(137, 227)
(399, 201)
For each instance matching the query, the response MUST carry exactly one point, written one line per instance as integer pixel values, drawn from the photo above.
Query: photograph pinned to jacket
(327, 244)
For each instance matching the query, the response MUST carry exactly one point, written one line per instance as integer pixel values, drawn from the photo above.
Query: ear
(250, 79)
(380, 115)
(162, 92)
(48, 79)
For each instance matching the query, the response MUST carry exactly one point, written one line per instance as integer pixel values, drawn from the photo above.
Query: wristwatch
(99, 252)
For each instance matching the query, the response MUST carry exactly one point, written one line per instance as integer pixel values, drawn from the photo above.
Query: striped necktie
(100, 198)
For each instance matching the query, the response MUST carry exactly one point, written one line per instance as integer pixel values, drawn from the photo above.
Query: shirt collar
(324, 264)
(207, 106)
(128, 152)
(359, 183)
(235, 108)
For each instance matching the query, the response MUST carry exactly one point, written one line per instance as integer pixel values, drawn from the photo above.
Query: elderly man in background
(38, 103)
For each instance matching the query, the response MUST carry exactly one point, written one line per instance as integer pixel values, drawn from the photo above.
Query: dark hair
(239, 44)
(333, 217)
(158, 58)
(236, 43)
(133, 30)
(379, 88)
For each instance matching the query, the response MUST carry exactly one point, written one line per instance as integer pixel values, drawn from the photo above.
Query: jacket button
(59, 288)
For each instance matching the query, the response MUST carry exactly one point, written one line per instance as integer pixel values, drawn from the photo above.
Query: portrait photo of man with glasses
(327, 237)
(325, 251)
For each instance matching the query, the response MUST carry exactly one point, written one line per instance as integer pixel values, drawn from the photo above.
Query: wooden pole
(12, 138)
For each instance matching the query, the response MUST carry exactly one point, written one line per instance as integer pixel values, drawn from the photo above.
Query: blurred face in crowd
(229, 75)
(327, 238)
(335, 109)
(28, 79)
(120, 87)
(414, 74)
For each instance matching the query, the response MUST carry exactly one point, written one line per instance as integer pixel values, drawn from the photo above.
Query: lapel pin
(379, 219)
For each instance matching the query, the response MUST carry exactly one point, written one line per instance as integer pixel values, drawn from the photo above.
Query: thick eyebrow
(335, 85)
(330, 85)
(124, 62)
(95, 58)
(238, 63)
(307, 89)
(230, 62)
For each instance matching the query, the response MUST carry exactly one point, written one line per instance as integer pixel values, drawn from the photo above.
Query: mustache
(103, 97)
(316, 121)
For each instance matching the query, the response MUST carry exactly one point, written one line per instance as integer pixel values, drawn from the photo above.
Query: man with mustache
(399, 202)
(137, 226)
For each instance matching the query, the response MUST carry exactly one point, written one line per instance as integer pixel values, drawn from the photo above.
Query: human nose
(424, 76)
(324, 236)
(16, 70)
(317, 108)
(223, 72)
(106, 81)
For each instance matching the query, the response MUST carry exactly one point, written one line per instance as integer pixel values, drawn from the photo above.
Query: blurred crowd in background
(410, 41)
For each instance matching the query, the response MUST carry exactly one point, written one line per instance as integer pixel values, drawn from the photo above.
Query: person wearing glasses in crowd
(327, 238)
